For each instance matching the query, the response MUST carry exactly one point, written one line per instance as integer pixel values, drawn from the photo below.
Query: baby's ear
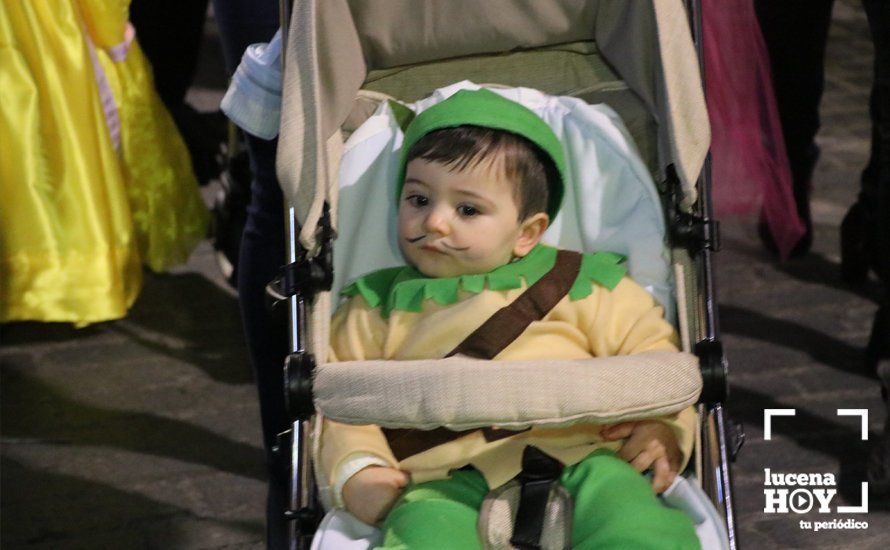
(530, 232)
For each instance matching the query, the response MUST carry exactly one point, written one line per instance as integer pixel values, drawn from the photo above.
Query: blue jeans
(241, 23)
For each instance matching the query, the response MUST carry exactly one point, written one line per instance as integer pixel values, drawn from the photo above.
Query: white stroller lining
(610, 204)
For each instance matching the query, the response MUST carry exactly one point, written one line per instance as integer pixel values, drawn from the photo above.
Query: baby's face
(459, 222)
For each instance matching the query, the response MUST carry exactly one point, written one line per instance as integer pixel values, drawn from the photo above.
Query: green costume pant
(614, 508)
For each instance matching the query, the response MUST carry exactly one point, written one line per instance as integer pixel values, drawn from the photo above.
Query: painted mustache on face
(420, 238)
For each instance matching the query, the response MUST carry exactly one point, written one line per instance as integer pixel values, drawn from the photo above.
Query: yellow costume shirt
(621, 321)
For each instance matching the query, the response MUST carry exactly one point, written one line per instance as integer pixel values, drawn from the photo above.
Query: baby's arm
(662, 444)
(650, 445)
(349, 454)
(356, 460)
(369, 494)
(628, 321)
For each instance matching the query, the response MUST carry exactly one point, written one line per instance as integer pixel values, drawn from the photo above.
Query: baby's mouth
(444, 248)
(431, 248)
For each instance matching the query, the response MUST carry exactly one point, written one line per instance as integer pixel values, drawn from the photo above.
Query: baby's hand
(650, 445)
(369, 494)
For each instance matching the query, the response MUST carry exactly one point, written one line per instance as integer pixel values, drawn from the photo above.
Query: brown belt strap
(505, 326)
(492, 337)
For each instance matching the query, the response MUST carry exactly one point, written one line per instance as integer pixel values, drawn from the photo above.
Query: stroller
(348, 62)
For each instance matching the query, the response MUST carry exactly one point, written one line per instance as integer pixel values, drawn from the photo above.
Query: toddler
(481, 178)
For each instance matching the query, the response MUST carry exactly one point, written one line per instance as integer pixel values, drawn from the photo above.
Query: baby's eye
(417, 201)
(467, 210)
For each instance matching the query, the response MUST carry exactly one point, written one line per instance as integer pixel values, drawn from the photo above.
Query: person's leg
(262, 253)
(170, 33)
(437, 515)
(864, 229)
(874, 202)
(241, 23)
(795, 33)
(878, 464)
(875, 195)
(615, 507)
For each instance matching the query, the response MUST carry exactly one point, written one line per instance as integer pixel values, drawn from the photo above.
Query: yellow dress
(94, 178)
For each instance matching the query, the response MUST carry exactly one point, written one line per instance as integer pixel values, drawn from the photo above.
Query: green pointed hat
(487, 109)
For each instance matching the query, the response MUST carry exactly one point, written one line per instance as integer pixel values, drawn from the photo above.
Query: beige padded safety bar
(460, 393)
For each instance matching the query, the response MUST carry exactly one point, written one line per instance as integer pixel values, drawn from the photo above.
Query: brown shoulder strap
(495, 334)
(505, 326)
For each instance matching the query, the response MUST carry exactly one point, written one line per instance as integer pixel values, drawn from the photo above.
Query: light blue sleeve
(253, 100)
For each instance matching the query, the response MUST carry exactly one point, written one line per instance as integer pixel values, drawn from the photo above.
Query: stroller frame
(692, 231)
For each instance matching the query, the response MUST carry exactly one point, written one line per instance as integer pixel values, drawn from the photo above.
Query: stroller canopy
(333, 45)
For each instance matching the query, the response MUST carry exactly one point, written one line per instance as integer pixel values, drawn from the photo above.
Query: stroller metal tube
(725, 480)
(301, 487)
(296, 450)
(712, 332)
(711, 328)
(296, 340)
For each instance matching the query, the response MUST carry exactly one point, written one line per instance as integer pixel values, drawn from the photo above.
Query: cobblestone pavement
(794, 334)
(144, 433)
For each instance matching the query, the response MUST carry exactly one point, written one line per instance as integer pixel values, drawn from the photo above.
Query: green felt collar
(405, 288)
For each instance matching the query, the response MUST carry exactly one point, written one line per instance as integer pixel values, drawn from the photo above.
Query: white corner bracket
(863, 414)
(863, 504)
(768, 415)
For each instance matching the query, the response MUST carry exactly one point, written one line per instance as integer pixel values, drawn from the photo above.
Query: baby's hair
(523, 162)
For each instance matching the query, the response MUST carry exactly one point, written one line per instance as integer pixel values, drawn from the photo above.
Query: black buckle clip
(539, 473)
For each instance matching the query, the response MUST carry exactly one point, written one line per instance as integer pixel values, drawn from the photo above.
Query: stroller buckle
(540, 472)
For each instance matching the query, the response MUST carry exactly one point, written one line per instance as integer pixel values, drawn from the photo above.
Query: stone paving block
(93, 490)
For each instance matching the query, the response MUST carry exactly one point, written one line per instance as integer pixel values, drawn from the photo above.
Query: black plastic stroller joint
(299, 369)
(712, 363)
(307, 275)
(692, 232)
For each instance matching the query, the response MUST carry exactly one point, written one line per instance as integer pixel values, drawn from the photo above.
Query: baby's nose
(436, 222)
